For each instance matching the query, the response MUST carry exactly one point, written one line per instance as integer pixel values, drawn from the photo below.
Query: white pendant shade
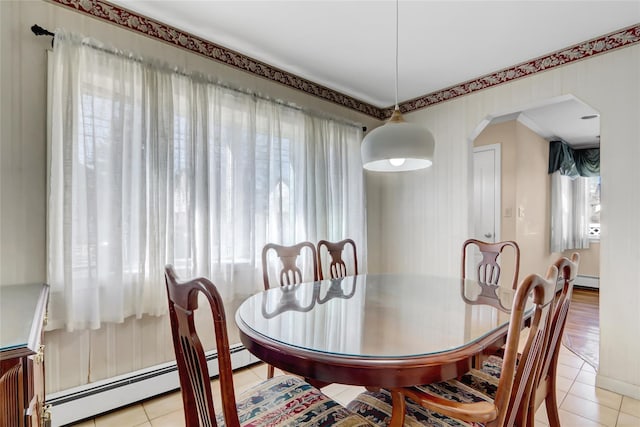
(384, 148)
(397, 145)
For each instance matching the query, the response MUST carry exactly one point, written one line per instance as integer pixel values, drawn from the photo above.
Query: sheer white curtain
(149, 166)
(569, 212)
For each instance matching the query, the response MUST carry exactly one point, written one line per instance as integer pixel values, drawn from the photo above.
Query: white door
(486, 193)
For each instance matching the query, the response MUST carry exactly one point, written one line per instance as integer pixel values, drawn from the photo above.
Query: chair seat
(485, 380)
(375, 407)
(288, 401)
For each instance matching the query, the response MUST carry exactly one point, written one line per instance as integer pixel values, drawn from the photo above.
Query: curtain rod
(39, 31)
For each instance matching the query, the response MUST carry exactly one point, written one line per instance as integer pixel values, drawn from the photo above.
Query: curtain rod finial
(39, 31)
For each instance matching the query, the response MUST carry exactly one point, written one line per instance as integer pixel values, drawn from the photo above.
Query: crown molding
(116, 15)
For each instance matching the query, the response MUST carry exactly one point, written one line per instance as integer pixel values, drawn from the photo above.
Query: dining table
(376, 330)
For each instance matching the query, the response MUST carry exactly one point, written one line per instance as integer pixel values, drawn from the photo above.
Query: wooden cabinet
(23, 310)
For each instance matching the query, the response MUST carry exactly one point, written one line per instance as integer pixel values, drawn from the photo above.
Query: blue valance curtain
(570, 170)
(572, 162)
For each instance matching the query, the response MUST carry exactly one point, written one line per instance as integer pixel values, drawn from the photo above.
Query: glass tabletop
(378, 315)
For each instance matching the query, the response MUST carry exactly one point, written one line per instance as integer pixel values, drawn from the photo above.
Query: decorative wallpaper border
(124, 18)
(621, 38)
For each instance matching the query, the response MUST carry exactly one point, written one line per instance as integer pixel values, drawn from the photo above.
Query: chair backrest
(518, 378)
(567, 272)
(337, 265)
(488, 269)
(190, 356)
(290, 273)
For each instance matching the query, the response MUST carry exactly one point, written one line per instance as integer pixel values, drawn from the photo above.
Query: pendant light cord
(397, 1)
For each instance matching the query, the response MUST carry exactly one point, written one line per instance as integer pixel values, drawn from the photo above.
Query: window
(593, 200)
(150, 167)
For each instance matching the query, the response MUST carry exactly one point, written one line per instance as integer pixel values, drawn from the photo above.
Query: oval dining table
(375, 330)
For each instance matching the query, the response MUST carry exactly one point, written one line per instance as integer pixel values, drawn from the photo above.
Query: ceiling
(349, 46)
(566, 118)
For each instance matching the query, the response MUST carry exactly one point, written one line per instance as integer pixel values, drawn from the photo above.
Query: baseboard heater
(587, 281)
(88, 401)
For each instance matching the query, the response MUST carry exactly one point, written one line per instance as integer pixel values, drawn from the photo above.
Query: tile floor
(581, 403)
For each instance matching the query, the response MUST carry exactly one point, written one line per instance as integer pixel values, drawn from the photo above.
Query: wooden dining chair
(453, 402)
(277, 401)
(545, 390)
(545, 386)
(488, 269)
(289, 270)
(337, 265)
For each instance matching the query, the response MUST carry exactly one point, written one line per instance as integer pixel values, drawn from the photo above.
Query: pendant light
(397, 145)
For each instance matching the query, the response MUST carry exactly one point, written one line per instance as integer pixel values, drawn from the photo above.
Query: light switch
(520, 212)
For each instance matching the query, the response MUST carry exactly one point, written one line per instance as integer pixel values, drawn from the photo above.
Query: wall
(435, 200)
(533, 204)
(84, 356)
(589, 259)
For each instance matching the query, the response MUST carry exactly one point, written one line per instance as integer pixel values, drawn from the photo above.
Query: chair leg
(530, 421)
(270, 371)
(398, 409)
(552, 406)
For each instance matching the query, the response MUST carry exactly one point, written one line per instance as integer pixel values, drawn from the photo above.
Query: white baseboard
(88, 401)
(617, 386)
(587, 281)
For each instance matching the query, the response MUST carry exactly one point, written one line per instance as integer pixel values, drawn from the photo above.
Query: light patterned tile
(603, 397)
(348, 394)
(590, 410)
(586, 377)
(162, 405)
(630, 406)
(565, 350)
(626, 420)
(569, 419)
(277, 372)
(217, 396)
(570, 360)
(563, 384)
(541, 415)
(128, 417)
(568, 372)
(587, 367)
(560, 395)
(260, 370)
(147, 424)
(244, 380)
(173, 419)
(333, 389)
(87, 423)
